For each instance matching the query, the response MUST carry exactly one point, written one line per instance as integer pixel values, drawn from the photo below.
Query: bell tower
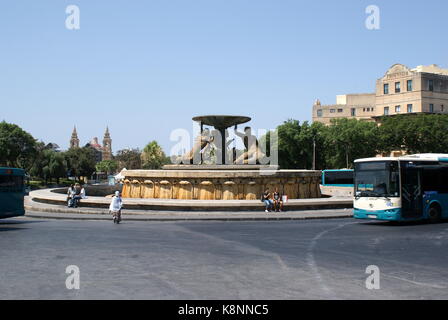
(74, 141)
(107, 145)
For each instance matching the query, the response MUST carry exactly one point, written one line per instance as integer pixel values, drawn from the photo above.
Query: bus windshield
(377, 179)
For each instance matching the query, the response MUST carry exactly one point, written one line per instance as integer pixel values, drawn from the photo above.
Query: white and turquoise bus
(406, 188)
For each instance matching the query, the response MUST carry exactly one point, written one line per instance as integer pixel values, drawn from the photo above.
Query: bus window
(10, 183)
(337, 177)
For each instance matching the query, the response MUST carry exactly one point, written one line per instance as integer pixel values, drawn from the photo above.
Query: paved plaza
(303, 259)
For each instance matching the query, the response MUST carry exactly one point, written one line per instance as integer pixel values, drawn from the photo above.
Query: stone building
(102, 152)
(357, 106)
(401, 90)
(420, 90)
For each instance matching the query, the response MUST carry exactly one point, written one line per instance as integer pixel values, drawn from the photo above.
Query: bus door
(411, 191)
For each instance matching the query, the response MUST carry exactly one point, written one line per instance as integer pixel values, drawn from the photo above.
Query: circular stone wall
(220, 184)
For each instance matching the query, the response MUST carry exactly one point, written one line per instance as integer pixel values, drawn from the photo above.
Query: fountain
(243, 180)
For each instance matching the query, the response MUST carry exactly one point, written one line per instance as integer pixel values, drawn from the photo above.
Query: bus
(407, 188)
(337, 182)
(12, 192)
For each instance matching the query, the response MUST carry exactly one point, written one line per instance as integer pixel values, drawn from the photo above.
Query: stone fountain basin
(221, 121)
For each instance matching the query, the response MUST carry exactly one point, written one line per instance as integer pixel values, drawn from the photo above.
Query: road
(307, 259)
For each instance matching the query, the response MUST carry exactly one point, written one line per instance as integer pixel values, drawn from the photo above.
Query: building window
(409, 85)
(442, 108)
(332, 110)
(319, 113)
(397, 87)
(431, 108)
(430, 85)
(340, 110)
(409, 108)
(386, 88)
(397, 109)
(353, 112)
(386, 111)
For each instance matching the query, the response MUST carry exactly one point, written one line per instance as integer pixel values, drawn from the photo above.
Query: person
(83, 193)
(115, 207)
(77, 195)
(266, 198)
(70, 195)
(278, 201)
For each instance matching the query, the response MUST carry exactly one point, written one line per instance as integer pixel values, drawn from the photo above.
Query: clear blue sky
(145, 67)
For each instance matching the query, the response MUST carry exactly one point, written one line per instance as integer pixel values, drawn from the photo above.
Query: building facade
(102, 152)
(420, 90)
(356, 106)
(401, 90)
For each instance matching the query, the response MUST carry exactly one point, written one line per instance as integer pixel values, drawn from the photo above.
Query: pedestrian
(115, 207)
(266, 198)
(70, 195)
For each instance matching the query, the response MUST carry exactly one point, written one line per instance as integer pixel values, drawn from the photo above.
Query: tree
(350, 139)
(153, 156)
(129, 159)
(80, 162)
(17, 147)
(422, 133)
(107, 166)
(48, 164)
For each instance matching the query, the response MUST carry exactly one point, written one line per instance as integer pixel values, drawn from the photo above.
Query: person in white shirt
(115, 207)
(83, 193)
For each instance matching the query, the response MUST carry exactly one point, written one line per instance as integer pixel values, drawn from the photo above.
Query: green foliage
(48, 164)
(80, 162)
(349, 139)
(129, 159)
(424, 133)
(153, 156)
(107, 166)
(17, 147)
(296, 144)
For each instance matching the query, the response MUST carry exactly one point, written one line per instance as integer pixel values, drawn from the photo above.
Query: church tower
(74, 141)
(107, 145)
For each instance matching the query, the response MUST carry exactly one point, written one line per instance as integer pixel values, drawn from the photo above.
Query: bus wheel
(434, 214)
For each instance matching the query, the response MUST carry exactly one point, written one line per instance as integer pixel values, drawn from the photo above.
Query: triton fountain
(230, 177)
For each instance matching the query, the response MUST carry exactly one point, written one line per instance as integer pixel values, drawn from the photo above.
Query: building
(420, 90)
(357, 106)
(102, 152)
(401, 90)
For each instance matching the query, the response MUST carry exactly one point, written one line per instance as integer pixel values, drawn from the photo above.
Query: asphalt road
(308, 259)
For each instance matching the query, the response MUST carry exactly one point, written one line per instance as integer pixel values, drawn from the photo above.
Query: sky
(146, 67)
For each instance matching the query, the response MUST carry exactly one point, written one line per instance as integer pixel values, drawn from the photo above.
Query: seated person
(266, 198)
(77, 195)
(278, 202)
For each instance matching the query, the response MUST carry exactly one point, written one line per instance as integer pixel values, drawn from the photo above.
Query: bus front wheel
(434, 214)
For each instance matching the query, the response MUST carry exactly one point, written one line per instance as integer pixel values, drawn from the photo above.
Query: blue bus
(12, 192)
(407, 188)
(338, 178)
(337, 183)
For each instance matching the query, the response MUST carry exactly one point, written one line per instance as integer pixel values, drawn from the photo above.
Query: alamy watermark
(73, 20)
(231, 147)
(373, 20)
(373, 280)
(73, 281)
